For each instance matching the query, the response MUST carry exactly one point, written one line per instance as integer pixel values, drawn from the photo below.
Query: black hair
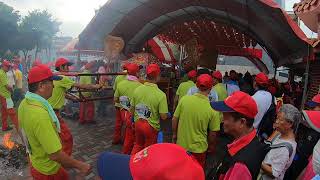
(34, 86)
(233, 71)
(203, 71)
(151, 78)
(58, 68)
(237, 116)
(260, 87)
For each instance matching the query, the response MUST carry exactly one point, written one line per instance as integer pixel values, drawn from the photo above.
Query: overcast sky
(76, 14)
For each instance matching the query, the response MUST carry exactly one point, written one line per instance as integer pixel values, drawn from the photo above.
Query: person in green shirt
(119, 122)
(218, 86)
(40, 126)
(195, 124)
(149, 105)
(87, 108)
(57, 100)
(184, 87)
(7, 106)
(123, 95)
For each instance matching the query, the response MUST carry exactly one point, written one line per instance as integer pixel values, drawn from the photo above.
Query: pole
(306, 75)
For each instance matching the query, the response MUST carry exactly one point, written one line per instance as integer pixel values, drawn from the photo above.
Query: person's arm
(267, 169)
(212, 141)
(46, 134)
(175, 101)
(176, 98)
(68, 162)
(116, 96)
(164, 116)
(87, 86)
(275, 162)
(175, 123)
(214, 127)
(163, 108)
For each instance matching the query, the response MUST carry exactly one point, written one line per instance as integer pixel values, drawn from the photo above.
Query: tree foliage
(42, 26)
(9, 19)
(36, 30)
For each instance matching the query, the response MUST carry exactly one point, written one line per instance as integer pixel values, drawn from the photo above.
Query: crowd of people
(257, 119)
(258, 116)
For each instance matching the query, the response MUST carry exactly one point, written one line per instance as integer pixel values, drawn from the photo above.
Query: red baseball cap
(124, 66)
(6, 63)
(239, 102)
(313, 119)
(204, 82)
(162, 161)
(217, 75)
(62, 61)
(153, 70)
(41, 72)
(36, 62)
(262, 79)
(132, 68)
(192, 73)
(314, 102)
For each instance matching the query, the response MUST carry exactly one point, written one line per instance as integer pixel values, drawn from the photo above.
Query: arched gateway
(228, 26)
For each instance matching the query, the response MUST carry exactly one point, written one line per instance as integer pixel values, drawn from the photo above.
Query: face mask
(316, 158)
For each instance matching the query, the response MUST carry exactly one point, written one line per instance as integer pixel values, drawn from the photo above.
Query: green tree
(42, 27)
(9, 19)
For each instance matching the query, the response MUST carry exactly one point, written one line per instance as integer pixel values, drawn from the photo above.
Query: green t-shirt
(59, 92)
(124, 92)
(149, 101)
(196, 118)
(4, 92)
(86, 80)
(183, 88)
(118, 79)
(42, 136)
(221, 91)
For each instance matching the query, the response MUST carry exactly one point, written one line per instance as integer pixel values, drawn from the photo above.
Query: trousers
(129, 132)
(65, 135)
(117, 128)
(5, 112)
(86, 112)
(60, 175)
(145, 135)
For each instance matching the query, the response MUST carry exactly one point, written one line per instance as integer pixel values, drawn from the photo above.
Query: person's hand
(97, 86)
(84, 168)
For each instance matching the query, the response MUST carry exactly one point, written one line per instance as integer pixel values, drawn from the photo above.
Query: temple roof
(308, 11)
(260, 21)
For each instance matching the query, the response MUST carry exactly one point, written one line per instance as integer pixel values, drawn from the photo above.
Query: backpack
(283, 144)
(275, 146)
(265, 128)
